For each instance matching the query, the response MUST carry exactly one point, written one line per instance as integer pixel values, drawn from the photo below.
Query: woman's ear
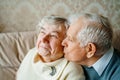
(91, 49)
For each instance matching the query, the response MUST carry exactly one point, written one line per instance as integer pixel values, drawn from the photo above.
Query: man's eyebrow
(70, 36)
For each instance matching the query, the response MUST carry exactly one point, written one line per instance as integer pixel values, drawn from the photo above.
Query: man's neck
(90, 61)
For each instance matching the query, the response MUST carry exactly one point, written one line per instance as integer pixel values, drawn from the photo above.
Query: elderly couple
(79, 48)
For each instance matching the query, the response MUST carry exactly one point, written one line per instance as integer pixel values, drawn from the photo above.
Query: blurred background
(23, 15)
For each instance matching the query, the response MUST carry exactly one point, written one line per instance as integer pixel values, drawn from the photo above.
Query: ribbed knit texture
(60, 69)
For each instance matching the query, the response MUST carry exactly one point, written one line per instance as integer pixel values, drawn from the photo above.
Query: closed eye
(54, 35)
(69, 38)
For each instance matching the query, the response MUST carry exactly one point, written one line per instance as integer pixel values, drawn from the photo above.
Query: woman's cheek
(38, 42)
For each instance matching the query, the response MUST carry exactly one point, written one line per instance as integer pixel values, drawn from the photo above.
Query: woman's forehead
(53, 27)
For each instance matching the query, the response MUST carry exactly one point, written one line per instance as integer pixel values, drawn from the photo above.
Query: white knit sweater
(58, 70)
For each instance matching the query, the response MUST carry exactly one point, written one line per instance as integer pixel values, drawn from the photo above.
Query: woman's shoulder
(73, 65)
(73, 69)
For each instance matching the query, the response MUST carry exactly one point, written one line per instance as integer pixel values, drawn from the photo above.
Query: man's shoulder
(113, 68)
(116, 56)
(114, 64)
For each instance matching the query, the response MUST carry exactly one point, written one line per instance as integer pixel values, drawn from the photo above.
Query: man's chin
(66, 57)
(65, 52)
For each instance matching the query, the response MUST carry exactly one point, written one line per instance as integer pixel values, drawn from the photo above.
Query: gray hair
(52, 20)
(97, 30)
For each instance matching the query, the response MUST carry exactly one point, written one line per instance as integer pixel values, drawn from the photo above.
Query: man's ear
(91, 49)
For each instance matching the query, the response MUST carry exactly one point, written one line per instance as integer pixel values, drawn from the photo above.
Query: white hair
(97, 30)
(52, 20)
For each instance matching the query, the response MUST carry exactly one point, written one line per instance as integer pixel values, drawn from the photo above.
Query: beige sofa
(14, 46)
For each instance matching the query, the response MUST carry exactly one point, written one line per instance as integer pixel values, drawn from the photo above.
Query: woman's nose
(45, 38)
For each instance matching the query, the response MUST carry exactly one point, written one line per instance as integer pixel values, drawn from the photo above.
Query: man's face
(72, 49)
(49, 41)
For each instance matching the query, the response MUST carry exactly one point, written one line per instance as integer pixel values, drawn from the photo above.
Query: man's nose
(64, 43)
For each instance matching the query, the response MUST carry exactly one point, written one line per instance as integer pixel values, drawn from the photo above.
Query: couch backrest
(13, 48)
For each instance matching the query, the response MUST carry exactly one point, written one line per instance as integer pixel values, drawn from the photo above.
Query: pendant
(53, 71)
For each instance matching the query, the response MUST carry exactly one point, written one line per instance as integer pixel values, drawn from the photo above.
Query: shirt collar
(101, 64)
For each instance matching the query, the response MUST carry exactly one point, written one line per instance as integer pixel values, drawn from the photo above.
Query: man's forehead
(69, 34)
(74, 28)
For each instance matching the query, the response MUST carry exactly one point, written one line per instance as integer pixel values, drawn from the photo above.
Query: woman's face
(49, 41)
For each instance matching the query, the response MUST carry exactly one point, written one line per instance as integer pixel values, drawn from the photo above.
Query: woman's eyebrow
(56, 32)
(42, 28)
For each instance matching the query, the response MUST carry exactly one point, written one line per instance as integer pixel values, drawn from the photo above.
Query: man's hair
(97, 29)
(52, 20)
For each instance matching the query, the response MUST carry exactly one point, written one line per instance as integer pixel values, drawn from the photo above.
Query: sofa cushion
(13, 48)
